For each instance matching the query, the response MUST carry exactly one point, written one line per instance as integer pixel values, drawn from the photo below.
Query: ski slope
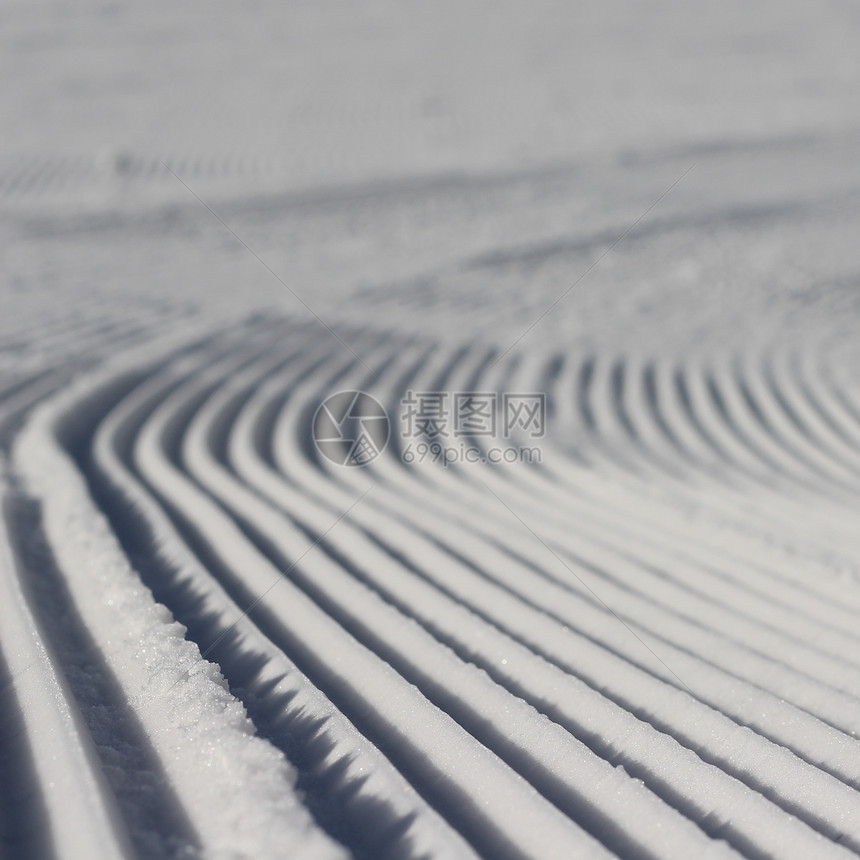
(448, 665)
(216, 643)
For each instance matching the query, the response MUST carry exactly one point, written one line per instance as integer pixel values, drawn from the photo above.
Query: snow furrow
(442, 683)
(530, 677)
(201, 736)
(357, 791)
(460, 773)
(80, 811)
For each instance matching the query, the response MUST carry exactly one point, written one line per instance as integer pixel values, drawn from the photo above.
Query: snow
(238, 792)
(216, 643)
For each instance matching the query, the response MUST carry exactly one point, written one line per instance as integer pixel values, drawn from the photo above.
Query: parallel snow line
(608, 632)
(819, 699)
(793, 517)
(21, 398)
(491, 805)
(428, 581)
(632, 513)
(781, 376)
(847, 624)
(740, 608)
(841, 395)
(79, 807)
(748, 381)
(348, 773)
(151, 814)
(202, 736)
(788, 374)
(821, 388)
(402, 645)
(823, 738)
(712, 404)
(469, 635)
(282, 435)
(707, 411)
(774, 432)
(695, 540)
(636, 572)
(799, 673)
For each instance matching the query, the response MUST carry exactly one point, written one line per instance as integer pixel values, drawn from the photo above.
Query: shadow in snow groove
(157, 825)
(24, 829)
(367, 826)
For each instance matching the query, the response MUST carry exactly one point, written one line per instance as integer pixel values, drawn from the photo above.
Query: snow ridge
(427, 661)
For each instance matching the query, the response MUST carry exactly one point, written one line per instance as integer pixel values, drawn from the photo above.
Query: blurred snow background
(450, 167)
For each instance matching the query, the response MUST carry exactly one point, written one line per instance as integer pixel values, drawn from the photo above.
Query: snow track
(637, 639)
(500, 661)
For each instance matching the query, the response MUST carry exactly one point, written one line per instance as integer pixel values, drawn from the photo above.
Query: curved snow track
(646, 646)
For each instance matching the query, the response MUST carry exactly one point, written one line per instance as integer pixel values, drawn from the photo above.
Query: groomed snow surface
(216, 643)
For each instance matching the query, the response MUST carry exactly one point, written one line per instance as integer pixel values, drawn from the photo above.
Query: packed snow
(626, 629)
